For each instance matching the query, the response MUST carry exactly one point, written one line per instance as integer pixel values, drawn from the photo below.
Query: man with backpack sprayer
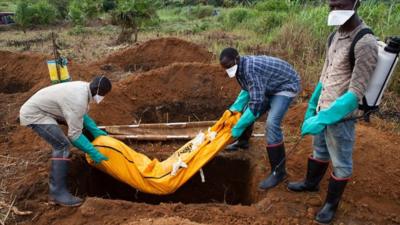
(341, 87)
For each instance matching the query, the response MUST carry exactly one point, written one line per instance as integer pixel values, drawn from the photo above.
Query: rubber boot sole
(283, 180)
(323, 223)
(52, 202)
(307, 191)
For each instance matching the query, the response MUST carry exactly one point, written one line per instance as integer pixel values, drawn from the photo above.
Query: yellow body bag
(161, 178)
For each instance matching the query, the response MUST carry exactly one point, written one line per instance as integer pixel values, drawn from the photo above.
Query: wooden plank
(164, 125)
(161, 131)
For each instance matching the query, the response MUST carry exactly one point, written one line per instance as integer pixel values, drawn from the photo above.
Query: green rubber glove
(312, 104)
(240, 102)
(91, 126)
(245, 120)
(84, 144)
(339, 109)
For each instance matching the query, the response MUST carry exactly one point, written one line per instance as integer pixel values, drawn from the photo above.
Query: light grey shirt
(65, 101)
(337, 76)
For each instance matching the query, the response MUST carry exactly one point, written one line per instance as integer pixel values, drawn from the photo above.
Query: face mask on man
(98, 98)
(339, 17)
(232, 71)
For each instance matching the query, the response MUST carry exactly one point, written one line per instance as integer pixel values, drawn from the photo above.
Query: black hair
(229, 53)
(101, 83)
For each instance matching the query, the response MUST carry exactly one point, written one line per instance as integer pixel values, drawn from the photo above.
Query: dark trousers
(53, 135)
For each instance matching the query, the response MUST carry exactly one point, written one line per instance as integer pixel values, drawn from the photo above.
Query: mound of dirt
(156, 53)
(21, 72)
(178, 92)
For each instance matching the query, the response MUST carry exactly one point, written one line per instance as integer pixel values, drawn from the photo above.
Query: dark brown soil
(180, 89)
(154, 54)
(178, 92)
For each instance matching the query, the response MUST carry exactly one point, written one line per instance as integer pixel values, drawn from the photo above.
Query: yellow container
(64, 75)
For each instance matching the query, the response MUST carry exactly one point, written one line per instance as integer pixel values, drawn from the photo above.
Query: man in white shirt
(67, 102)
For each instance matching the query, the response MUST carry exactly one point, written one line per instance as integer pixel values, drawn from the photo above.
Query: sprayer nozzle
(393, 45)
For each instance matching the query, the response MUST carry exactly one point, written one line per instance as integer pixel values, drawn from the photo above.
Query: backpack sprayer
(388, 57)
(58, 66)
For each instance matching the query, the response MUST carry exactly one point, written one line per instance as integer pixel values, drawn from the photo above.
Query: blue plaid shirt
(263, 76)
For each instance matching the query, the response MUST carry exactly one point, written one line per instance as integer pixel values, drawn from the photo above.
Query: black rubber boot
(335, 190)
(242, 142)
(277, 160)
(58, 184)
(315, 172)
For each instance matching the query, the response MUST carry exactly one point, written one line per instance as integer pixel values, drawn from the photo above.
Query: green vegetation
(199, 12)
(80, 11)
(34, 13)
(7, 6)
(133, 15)
(187, 20)
(61, 6)
(295, 30)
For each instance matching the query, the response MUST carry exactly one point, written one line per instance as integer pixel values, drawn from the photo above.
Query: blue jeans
(336, 143)
(53, 134)
(277, 105)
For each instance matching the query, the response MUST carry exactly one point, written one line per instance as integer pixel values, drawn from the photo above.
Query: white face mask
(339, 17)
(98, 98)
(232, 71)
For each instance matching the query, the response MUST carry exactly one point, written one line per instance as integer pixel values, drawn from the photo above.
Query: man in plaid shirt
(268, 84)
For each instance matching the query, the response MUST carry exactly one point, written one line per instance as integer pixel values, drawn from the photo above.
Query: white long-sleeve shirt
(65, 101)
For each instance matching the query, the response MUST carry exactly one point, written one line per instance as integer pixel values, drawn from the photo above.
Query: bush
(228, 3)
(44, 13)
(39, 13)
(75, 14)
(109, 5)
(170, 3)
(61, 6)
(216, 2)
(201, 11)
(265, 22)
(79, 11)
(272, 5)
(23, 14)
(172, 15)
(236, 16)
(177, 11)
(132, 16)
(201, 26)
(78, 30)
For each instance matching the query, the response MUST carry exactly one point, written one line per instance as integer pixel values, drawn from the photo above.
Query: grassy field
(295, 32)
(7, 6)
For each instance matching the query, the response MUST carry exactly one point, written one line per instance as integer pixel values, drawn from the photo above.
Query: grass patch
(7, 6)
